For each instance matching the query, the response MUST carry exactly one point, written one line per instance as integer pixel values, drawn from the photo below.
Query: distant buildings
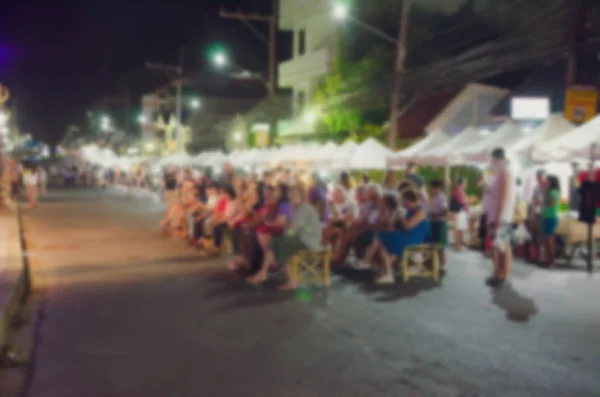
(313, 33)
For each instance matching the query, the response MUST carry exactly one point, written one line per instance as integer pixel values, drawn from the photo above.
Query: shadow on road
(518, 308)
(392, 292)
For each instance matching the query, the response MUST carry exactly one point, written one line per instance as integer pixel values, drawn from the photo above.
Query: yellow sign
(580, 104)
(261, 138)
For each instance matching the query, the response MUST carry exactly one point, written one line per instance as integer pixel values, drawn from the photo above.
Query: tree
(354, 97)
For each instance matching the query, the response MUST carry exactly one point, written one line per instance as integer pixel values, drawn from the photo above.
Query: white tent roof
(479, 152)
(445, 153)
(554, 127)
(431, 141)
(370, 155)
(572, 145)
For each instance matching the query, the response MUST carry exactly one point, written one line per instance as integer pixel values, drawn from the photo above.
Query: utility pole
(272, 21)
(400, 62)
(178, 70)
(576, 25)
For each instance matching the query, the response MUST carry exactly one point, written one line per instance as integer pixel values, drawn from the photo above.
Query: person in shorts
(501, 210)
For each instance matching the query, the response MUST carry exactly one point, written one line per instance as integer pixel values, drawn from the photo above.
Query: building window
(301, 42)
(300, 101)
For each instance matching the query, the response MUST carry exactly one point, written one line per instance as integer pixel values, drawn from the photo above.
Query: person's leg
(218, 231)
(295, 245)
(502, 255)
(277, 251)
(388, 269)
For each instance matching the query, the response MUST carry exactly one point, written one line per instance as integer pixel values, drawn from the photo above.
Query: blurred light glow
(524, 108)
(310, 117)
(237, 136)
(142, 119)
(150, 147)
(220, 59)
(340, 12)
(195, 103)
(3, 118)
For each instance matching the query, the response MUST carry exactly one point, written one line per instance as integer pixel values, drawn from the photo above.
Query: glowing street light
(340, 12)
(310, 117)
(195, 103)
(220, 59)
(237, 136)
(105, 123)
(149, 147)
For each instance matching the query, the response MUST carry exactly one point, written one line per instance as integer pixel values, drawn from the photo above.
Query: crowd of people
(270, 217)
(28, 180)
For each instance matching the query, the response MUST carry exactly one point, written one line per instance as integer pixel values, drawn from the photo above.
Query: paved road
(129, 313)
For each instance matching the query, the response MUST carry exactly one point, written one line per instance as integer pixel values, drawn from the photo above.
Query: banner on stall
(581, 104)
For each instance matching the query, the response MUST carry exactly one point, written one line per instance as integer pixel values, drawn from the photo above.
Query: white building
(313, 55)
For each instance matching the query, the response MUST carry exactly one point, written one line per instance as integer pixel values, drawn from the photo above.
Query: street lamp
(340, 12)
(310, 117)
(220, 59)
(237, 136)
(149, 147)
(195, 103)
(105, 123)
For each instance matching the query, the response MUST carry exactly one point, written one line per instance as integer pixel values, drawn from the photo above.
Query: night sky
(61, 58)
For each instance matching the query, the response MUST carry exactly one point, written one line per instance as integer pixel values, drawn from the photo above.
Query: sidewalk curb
(23, 315)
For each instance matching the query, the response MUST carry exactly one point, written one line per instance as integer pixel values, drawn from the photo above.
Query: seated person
(360, 232)
(174, 223)
(438, 215)
(317, 197)
(277, 217)
(218, 220)
(400, 231)
(213, 195)
(344, 211)
(247, 200)
(303, 233)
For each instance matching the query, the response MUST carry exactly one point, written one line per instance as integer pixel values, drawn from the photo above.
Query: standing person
(534, 217)
(550, 218)
(390, 182)
(484, 184)
(228, 174)
(501, 211)
(412, 175)
(438, 216)
(31, 183)
(459, 207)
(43, 182)
(16, 177)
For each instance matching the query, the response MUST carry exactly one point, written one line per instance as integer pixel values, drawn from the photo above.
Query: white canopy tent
(370, 155)
(479, 152)
(552, 128)
(450, 151)
(431, 141)
(580, 143)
